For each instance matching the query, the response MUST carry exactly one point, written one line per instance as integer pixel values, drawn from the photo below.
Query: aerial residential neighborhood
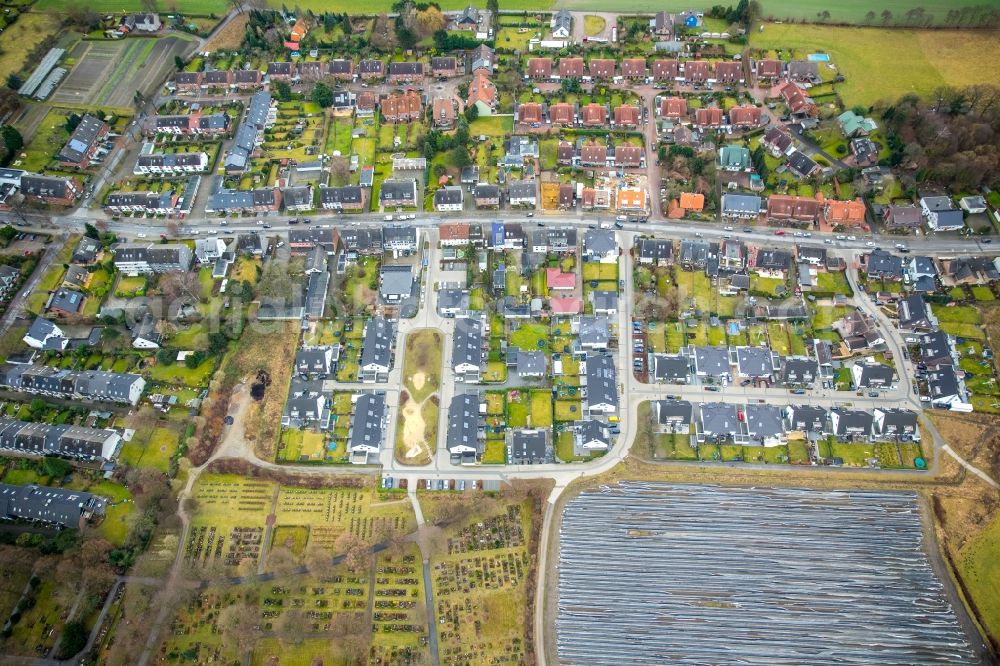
(371, 335)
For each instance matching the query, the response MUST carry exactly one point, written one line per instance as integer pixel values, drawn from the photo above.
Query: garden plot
(108, 74)
(416, 433)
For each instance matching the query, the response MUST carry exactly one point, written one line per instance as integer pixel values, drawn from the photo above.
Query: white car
(870, 243)
(728, 228)
(141, 235)
(852, 238)
(841, 237)
(260, 222)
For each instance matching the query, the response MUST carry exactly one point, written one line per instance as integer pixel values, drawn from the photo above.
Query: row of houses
(924, 274)
(537, 114)
(752, 364)
(795, 210)
(53, 190)
(54, 506)
(68, 441)
(742, 117)
(93, 385)
(939, 369)
(764, 424)
(168, 201)
(698, 72)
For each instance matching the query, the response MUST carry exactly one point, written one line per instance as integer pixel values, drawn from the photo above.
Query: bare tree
(241, 625)
(281, 561)
(340, 171)
(357, 554)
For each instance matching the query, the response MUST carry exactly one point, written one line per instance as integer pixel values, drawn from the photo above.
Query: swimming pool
(819, 57)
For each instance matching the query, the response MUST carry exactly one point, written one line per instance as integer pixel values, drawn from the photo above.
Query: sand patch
(419, 380)
(413, 430)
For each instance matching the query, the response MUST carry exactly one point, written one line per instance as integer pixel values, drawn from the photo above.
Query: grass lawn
(798, 452)
(496, 126)
(179, 373)
(495, 452)
(593, 270)
(129, 287)
(48, 139)
(28, 28)
(151, 448)
(541, 408)
(765, 285)
(422, 363)
(292, 537)
(980, 570)
(594, 25)
(983, 294)
(496, 371)
(963, 330)
(832, 282)
(674, 447)
(962, 314)
(867, 56)
(854, 455)
(778, 337)
(530, 337)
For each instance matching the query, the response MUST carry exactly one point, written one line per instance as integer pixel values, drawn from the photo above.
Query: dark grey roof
(816, 255)
(656, 249)
(463, 422)
(942, 383)
(66, 300)
(712, 361)
(774, 259)
(530, 363)
(754, 361)
(82, 140)
(876, 374)
(487, 191)
(448, 196)
(449, 299)
(297, 196)
(764, 420)
(720, 419)
(63, 440)
(93, 384)
(936, 349)
(671, 368)
(594, 330)
(367, 426)
(348, 195)
(528, 446)
(45, 186)
(799, 370)
(896, 421)
(361, 239)
(741, 203)
(377, 346)
(884, 264)
(395, 281)
(393, 191)
(604, 301)
(51, 505)
(602, 382)
(950, 219)
(467, 342)
(801, 163)
(399, 235)
(807, 418)
(86, 250)
(406, 68)
(913, 312)
(599, 241)
(673, 411)
(313, 360)
(851, 422)
(522, 189)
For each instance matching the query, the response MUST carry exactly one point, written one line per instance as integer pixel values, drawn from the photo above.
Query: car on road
(619, 225)
(307, 221)
(779, 232)
(260, 222)
(852, 238)
(531, 214)
(747, 230)
(712, 388)
(141, 235)
(799, 234)
(870, 243)
(727, 228)
(224, 223)
(267, 226)
(827, 241)
(987, 241)
(799, 392)
(873, 394)
(841, 237)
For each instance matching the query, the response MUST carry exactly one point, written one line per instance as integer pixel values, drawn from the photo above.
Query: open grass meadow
(979, 568)
(869, 58)
(28, 28)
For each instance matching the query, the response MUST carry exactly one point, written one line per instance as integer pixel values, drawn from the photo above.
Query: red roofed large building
(673, 107)
(600, 68)
(631, 198)
(729, 72)
(529, 112)
(628, 156)
(627, 115)
(556, 279)
(799, 103)
(666, 70)
(561, 113)
(708, 117)
(846, 213)
(571, 68)
(540, 68)
(782, 207)
(697, 71)
(565, 305)
(593, 154)
(634, 68)
(769, 69)
(482, 93)
(454, 234)
(594, 115)
(744, 116)
(402, 108)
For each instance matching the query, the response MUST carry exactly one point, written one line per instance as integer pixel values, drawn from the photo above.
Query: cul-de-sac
(566, 333)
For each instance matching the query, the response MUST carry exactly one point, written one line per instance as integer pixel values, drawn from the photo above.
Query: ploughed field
(660, 573)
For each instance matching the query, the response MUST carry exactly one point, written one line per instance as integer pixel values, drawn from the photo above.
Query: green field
(847, 11)
(200, 7)
(979, 568)
(868, 57)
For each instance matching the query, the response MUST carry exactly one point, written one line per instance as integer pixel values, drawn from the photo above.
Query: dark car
(711, 388)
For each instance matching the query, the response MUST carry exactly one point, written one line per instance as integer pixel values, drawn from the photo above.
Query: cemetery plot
(480, 590)
(399, 615)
